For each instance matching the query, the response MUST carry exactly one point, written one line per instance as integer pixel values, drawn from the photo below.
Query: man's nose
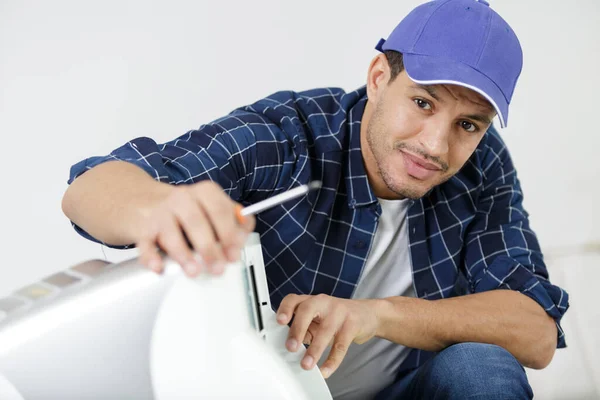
(434, 139)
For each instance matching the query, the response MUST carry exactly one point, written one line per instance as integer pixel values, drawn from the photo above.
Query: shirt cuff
(507, 273)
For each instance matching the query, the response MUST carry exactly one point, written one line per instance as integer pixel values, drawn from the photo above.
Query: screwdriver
(242, 212)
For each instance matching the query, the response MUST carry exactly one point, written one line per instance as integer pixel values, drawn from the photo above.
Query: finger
(310, 333)
(308, 338)
(171, 240)
(339, 349)
(288, 306)
(303, 316)
(222, 217)
(195, 223)
(324, 336)
(149, 255)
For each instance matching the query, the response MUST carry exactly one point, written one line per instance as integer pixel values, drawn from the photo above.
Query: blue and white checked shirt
(468, 235)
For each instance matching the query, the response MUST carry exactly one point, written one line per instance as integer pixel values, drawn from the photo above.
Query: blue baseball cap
(460, 42)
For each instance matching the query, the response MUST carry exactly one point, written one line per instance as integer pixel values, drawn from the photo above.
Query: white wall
(81, 78)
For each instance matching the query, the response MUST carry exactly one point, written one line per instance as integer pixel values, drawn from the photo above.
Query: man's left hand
(323, 320)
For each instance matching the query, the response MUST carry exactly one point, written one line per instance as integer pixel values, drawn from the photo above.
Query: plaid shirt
(468, 235)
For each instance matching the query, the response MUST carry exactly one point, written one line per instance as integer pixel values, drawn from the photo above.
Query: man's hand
(324, 320)
(119, 203)
(196, 225)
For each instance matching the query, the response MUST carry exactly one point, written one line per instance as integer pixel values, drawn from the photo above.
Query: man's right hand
(196, 225)
(200, 215)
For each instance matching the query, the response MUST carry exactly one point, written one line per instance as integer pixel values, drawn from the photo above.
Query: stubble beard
(377, 147)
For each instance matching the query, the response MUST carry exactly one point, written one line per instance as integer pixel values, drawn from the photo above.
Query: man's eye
(468, 126)
(422, 104)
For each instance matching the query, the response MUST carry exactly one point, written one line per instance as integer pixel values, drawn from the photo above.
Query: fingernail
(154, 265)
(191, 268)
(307, 362)
(292, 344)
(241, 238)
(281, 318)
(198, 258)
(233, 254)
(325, 372)
(218, 267)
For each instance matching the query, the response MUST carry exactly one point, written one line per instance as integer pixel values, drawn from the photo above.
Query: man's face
(419, 136)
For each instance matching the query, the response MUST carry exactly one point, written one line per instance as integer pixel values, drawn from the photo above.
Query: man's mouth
(418, 167)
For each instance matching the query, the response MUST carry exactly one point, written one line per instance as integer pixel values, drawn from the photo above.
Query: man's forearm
(503, 317)
(110, 199)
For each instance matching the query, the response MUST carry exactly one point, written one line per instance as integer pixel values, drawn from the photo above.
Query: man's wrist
(384, 311)
(405, 320)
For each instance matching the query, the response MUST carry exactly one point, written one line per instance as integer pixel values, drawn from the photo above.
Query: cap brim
(428, 70)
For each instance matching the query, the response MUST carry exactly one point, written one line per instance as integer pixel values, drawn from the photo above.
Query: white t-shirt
(372, 366)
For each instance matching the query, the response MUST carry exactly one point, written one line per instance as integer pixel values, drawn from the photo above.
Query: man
(415, 261)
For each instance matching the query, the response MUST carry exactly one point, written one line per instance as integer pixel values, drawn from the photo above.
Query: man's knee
(477, 370)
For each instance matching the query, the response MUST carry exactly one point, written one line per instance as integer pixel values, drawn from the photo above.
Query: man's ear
(377, 77)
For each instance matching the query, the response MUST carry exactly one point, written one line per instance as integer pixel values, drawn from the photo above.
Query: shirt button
(359, 244)
(353, 203)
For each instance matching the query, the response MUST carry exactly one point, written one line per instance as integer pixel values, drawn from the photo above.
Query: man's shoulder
(311, 116)
(314, 93)
(318, 100)
(492, 151)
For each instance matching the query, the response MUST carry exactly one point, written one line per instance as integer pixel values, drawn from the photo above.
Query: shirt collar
(357, 184)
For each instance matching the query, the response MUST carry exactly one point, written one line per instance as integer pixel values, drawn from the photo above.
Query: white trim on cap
(481, 92)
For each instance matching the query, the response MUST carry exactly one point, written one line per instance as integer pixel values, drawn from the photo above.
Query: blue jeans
(464, 371)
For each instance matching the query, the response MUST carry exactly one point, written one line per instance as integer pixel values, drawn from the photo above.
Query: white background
(80, 78)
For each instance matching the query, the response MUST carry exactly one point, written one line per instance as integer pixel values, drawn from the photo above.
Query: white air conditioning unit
(119, 331)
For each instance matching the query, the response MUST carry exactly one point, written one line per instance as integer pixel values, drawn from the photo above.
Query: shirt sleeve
(502, 251)
(224, 151)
